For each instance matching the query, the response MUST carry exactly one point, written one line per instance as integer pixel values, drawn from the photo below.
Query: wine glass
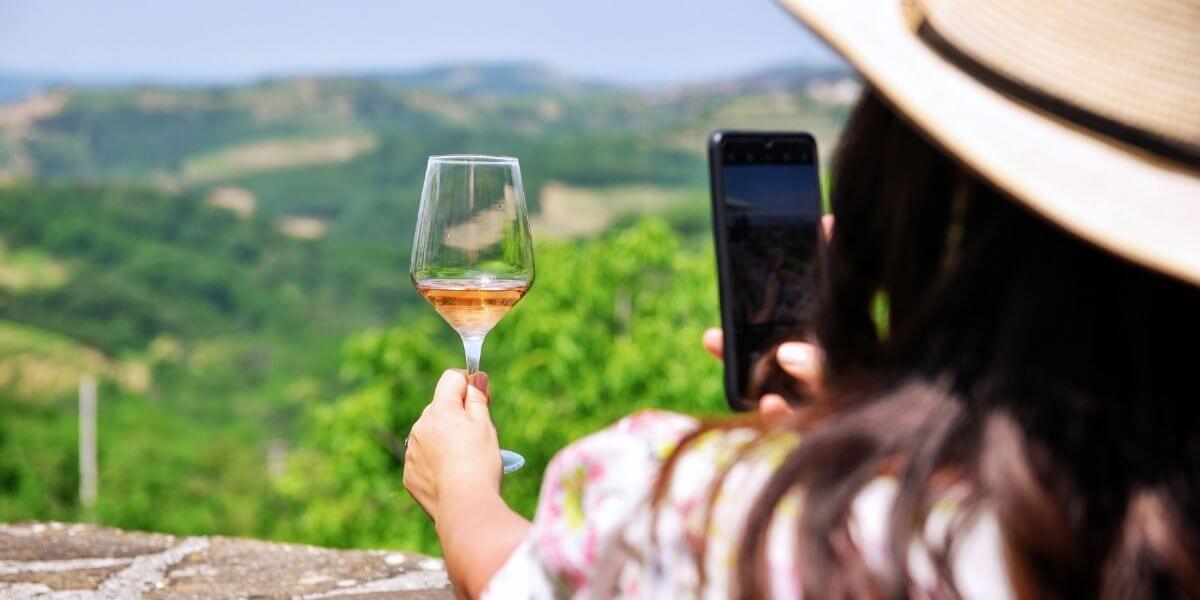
(472, 255)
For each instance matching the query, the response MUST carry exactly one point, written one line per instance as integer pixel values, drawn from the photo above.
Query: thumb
(773, 407)
(478, 399)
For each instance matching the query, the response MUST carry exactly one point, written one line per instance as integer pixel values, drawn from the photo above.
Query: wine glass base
(511, 461)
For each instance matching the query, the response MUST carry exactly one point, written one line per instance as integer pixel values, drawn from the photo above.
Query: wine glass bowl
(472, 306)
(472, 223)
(472, 253)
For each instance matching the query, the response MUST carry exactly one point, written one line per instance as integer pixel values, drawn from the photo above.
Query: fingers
(714, 342)
(773, 406)
(827, 226)
(477, 398)
(799, 359)
(481, 382)
(451, 389)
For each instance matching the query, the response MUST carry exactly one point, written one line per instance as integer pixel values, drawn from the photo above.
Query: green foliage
(611, 326)
(881, 314)
(157, 469)
(123, 134)
(236, 325)
(145, 263)
(38, 461)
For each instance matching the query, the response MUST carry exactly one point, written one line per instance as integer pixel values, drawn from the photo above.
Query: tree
(612, 325)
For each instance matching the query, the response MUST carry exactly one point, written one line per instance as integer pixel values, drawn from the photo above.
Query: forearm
(478, 532)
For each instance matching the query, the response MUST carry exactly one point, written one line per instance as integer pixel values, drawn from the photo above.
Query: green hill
(206, 251)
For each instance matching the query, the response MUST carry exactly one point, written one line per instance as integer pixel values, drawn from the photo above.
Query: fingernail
(481, 382)
(795, 353)
(769, 401)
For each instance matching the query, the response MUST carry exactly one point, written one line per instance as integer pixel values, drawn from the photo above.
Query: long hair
(1052, 380)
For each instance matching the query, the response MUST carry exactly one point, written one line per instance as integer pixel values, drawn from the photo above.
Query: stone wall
(61, 561)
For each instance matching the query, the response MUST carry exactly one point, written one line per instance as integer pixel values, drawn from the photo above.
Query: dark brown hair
(1053, 380)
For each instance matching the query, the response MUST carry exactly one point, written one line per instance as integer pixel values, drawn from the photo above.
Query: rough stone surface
(71, 561)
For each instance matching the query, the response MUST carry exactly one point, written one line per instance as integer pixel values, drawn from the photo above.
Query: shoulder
(595, 508)
(589, 489)
(598, 524)
(647, 436)
(592, 483)
(711, 489)
(609, 469)
(600, 530)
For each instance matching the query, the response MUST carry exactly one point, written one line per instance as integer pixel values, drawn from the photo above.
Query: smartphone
(766, 201)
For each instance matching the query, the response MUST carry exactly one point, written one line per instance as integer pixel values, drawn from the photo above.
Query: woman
(1024, 424)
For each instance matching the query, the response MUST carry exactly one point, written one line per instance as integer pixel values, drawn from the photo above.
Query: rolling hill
(206, 249)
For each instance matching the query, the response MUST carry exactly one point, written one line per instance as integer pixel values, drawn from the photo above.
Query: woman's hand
(452, 451)
(798, 359)
(452, 469)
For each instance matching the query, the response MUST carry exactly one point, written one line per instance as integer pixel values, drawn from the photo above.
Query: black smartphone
(766, 200)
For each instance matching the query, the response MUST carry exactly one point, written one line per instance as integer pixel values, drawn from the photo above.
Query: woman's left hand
(798, 359)
(453, 454)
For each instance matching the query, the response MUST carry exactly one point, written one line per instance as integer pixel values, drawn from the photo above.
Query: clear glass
(472, 253)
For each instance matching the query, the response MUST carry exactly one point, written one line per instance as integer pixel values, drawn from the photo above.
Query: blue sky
(626, 40)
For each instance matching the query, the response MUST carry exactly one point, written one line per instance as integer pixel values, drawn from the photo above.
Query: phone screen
(772, 212)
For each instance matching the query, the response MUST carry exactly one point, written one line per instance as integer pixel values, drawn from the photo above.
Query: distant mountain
(465, 81)
(17, 86)
(377, 126)
(781, 78)
(503, 79)
(506, 79)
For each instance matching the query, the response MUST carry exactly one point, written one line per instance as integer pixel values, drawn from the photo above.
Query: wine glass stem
(474, 347)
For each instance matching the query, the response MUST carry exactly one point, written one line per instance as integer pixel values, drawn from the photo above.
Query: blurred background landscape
(224, 246)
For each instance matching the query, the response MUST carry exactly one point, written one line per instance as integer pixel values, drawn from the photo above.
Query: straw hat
(1088, 112)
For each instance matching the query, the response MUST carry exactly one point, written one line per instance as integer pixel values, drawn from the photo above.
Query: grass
(38, 364)
(574, 211)
(273, 154)
(27, 269)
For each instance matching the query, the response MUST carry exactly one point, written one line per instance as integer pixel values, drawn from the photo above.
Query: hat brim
(1133, 204)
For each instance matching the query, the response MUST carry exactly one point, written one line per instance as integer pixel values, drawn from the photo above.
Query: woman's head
(1051, 378)
(980, 289)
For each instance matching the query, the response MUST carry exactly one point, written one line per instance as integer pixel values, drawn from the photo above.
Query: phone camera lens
(749, 156)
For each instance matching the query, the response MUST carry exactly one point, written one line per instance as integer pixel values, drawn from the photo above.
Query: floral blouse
(596, 533)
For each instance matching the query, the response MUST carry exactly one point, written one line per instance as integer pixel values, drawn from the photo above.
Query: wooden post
(88, 470)
(276, 458)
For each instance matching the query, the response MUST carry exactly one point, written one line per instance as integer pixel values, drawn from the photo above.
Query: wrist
(478, 532)
(464, 499)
